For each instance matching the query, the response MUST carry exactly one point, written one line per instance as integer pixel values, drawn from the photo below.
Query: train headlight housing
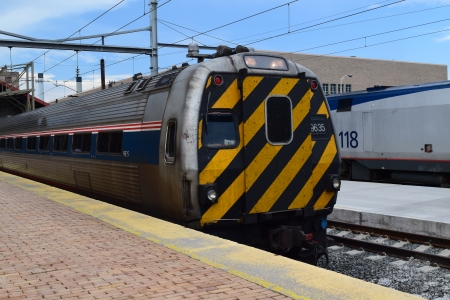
(208, 194)
(333, 183)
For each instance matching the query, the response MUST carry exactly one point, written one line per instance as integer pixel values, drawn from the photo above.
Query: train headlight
(208, 194)
(212, 196)
(333, 183)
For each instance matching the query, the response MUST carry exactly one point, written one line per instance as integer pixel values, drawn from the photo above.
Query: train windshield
(220, 130)
(265, 62)
(279, 120)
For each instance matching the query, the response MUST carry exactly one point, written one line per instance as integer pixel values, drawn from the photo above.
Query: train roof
(382, 92)
(123, 103)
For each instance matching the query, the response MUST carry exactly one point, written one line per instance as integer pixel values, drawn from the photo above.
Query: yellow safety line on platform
(272, 271)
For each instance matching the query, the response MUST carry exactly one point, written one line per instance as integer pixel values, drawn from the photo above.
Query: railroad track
(392, 243)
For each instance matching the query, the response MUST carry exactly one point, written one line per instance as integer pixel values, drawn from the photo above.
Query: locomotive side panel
(177, 162)
(149, 172)
(112, 174)
(394, 130)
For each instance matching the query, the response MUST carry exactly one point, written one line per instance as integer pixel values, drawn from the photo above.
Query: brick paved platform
(50, 250)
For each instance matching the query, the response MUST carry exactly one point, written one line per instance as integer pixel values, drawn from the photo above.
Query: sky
(408, 30)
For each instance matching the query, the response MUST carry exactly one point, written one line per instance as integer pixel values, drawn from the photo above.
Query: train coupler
(285, 238)
(312, 251)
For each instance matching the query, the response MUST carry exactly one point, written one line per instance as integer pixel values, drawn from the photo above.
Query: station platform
(59, 245)
(405, 208)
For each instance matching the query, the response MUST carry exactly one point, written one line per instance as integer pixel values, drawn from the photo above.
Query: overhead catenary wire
(115, 31)
(310, 21)
(236, 21)
(214, 37)
(371, 45)
(297, 32)
(145, 13)
(325, 22)
(138, 57)
(163, 23)
(290, 32)
(373, 35)
(114, 63)
(117, 62)
(83, 27)
(311, 57)
(201, 33)
(349, 23)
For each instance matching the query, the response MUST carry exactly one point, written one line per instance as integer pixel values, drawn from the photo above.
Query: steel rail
(392, 251)
(411, 237)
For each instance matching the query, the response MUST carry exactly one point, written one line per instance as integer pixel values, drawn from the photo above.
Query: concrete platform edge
(416, 226)
(288, 277)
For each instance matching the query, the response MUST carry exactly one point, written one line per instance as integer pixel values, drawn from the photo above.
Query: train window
(279, 120)
(82, 142)
(18, 143)
(31, 143)
(171, 136)
(60, 142)
(143, 84)
(44, 143)
(2, 143)
(130, 87)
(265, 62)
(165, 80)
(9, 143)
(110, 142)
(220, 130)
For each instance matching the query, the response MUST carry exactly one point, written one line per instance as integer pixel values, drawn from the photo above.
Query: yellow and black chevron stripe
(256, 176)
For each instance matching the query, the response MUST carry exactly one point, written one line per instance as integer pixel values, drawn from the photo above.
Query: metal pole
(28, 87)
(153, 38)
(32, 86)
(102, 72)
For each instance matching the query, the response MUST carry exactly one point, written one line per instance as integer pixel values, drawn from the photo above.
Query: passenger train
(240, 146)
(394, 134)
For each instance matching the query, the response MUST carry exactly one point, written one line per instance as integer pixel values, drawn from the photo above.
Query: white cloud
(34, 12)
(443, 39)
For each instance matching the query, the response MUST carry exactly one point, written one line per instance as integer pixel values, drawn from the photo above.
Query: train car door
(277, 144)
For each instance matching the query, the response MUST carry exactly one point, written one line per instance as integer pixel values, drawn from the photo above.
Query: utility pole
(153, 38)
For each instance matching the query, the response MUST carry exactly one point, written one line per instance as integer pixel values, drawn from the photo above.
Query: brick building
(366, 72)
